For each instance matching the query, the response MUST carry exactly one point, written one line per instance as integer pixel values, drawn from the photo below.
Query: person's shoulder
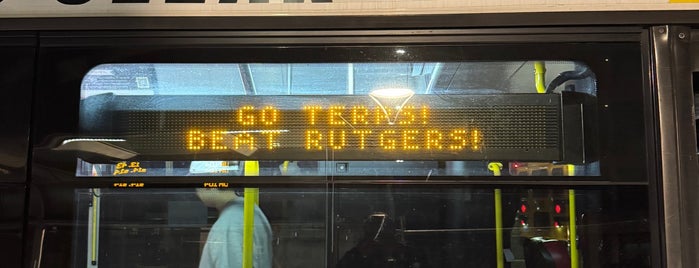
(234, 206)
(229, 218)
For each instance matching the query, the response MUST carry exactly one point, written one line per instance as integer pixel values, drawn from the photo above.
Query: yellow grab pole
(496, 168)
(249, 224)
(570, 170)
(285, 168)
(498, 229)
(251, 198)
(251, 168)
(574, 263)
(540, 76)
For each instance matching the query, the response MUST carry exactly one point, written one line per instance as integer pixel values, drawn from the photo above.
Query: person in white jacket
(224, 245)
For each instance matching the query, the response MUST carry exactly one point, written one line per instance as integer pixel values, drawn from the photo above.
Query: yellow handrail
(251, 198)
(540, 76)
(285, 168)
(496, 168)
(574, 263)
(498, 229)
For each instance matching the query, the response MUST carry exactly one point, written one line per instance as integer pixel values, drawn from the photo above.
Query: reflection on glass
(380, 246)
(197, 228)
(331, 168)
(363, 226)
(456, 227)
(334, 78)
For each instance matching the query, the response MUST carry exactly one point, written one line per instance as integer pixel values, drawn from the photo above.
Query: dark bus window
(343, 157)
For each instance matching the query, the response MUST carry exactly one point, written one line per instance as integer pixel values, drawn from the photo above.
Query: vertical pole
(93, 260)
(288, 79)
(574, 262)
(540, 76)
(93, 228)
(250, 200)
(350, 78)
(249, 224)
(169, 168)
(498, 229)
(496, 168)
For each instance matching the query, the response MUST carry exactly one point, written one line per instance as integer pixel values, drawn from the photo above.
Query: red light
(555, 224)
(523, 208)
(557, 208)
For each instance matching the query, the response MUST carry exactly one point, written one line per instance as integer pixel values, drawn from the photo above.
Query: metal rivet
(661, 30)
(682, 35)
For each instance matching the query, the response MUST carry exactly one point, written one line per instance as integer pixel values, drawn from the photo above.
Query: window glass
(411, 119)
(199, 227)
(363, 226)
(326, 78)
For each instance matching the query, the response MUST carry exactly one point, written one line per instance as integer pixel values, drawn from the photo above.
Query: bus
(338, 133)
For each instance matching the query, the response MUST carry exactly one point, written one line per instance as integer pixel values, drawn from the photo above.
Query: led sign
(526, 127)
(338, 128)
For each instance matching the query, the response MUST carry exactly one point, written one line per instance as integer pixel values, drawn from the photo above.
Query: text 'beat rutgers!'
(335, 127)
